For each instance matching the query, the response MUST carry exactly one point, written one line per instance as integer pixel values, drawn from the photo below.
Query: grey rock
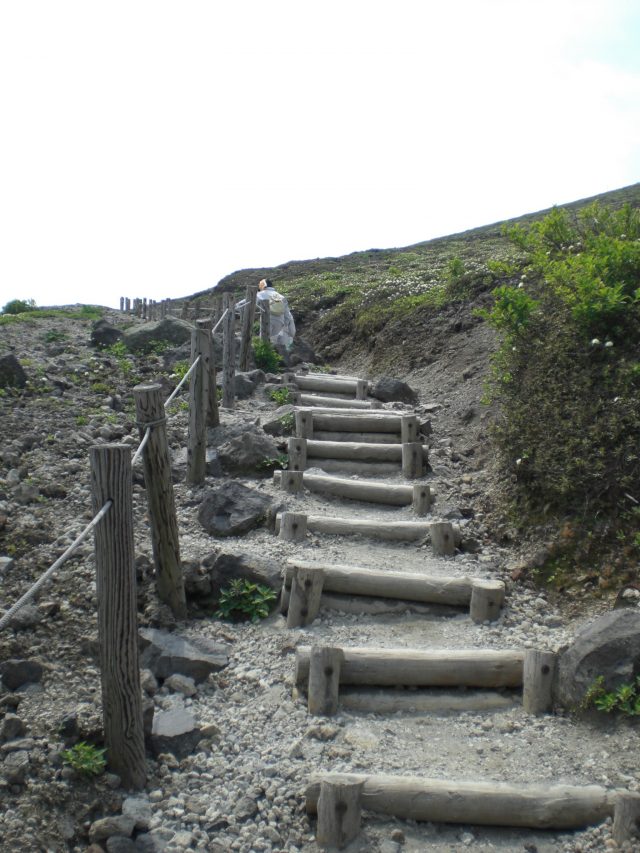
(244, 386)
(148, 682)
(170, 330)
(249, 453)
(257, 376)
(103, 334)
(120, 844)
(233, 509)
(139, 809)
(105, 827)
(281, 422)
(151, 842)
(26, 617)
(6, 563)
(15, 767)
(227, 567)
(18, 671)
(391, 390)
(245, 808)
(11, 728)
(12, 373)
(165, 653)
(609, 647)
(174, 731)
(181, 684)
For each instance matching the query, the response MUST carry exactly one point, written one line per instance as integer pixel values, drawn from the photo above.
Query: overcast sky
(151, 148)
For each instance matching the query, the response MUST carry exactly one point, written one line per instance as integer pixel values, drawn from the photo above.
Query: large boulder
(223, 568)
(281, 422)
(300, 353)
(391, 390)
(253, 453)
(16, 672)
(166, 653)
(608, 647)
(175, 731)
(12, 374)
(103, 334)
(233, 509)
(169, 331)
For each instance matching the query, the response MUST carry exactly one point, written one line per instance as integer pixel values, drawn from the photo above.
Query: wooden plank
(361, 490)
(358, 451)
(400, 531)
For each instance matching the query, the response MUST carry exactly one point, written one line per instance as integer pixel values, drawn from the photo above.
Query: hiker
(282, 328)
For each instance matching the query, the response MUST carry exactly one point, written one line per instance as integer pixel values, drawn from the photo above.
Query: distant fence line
(111, 488)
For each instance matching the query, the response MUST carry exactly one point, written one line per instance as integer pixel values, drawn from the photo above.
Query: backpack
(276, 304)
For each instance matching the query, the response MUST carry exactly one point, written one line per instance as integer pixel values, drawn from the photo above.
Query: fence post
(228, 352)
(265, 320)
(127, 304)
(213, 415)
(248, 316)
(198, 404)
(159, 488)
(117, 614)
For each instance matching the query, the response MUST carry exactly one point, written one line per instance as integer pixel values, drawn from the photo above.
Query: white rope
(43, 578)
(224, 314)
(181, 383)
(145, 439)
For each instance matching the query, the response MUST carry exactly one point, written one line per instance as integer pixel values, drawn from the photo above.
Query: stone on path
(232, 509)
(174, 731)
(391, 390)
(250, 453)
(166, 653)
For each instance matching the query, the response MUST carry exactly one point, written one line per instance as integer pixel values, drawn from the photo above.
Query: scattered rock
(391, 390)
(251, 453)
(104, 334)
(16, 672)
(104, 828)
(170, 331)
(12, 373)
(233, 509)
(174, 731)
(165, 654)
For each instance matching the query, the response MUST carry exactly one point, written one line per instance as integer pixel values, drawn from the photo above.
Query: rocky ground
(242, 785)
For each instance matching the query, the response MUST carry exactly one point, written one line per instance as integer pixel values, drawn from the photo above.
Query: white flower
(595, 342)
(609, 344)
(518, 461)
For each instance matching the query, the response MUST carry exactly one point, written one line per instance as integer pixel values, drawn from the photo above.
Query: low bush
(265, 356)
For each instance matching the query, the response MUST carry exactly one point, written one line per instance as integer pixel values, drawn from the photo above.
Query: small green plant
(180, 368)
(243, 600)
(100, 387)
(288, 422)
(625, 699)
(85, 758)
(265, 355)
(19, 306)
(281, 396)
(279, 461)
(81, 420)
(52, 336)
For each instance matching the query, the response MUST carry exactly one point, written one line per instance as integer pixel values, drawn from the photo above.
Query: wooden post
(213, 413)
(339, 812)
(297, 450)
(228, 353)
(537, 681)
(248, 317)
(626, 817)
(409, 426)
(412, 463)
(306, 589)
(144, 308)
(162, 512)
(293, 526)
(117, 614)
(122, 303)
(198, 405)
(324, 679)
(361, 389)
(422, 499)
(291, 481)
(443, 540)
(265, 320)
(127, 304)
(304, 424)
(486, 600)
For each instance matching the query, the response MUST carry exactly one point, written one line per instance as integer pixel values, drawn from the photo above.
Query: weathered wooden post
(487, 597)
(297, 450)
(265, 319)
(304, 424)
(306, 590)
(144, 308)
(216, 310)
(291, 481)
(339, 812)
(228, 352)
(361, 389)
(443, 540)
(409, 426)
(213, 413)
(185, 310)
(248, 317)
(537, 681)
(122, 303)
(422, 499)
(412, 461)
(198, 405)
(159, 487)
(626, 818)
(117, 614)
(293, 526)
(323, 689)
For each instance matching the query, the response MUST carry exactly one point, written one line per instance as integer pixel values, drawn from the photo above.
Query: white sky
(148, 148)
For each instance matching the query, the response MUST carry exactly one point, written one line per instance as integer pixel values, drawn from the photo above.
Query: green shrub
(85, 758)
(19, 306)
(243, 600)
(265, 356)
(625, 699)
(281, 396)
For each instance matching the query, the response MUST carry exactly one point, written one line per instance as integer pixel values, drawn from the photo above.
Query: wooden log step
(375, 701)
(336, 402)
(481, 803)
(329, 384)
(357, 451)
(361, 490)
(356, 580)
(361, 469)
(415, 668)
(386, 422)
(399, 531)
(361, 437)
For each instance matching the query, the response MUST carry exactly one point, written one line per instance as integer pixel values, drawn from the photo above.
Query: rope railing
(6, 618)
